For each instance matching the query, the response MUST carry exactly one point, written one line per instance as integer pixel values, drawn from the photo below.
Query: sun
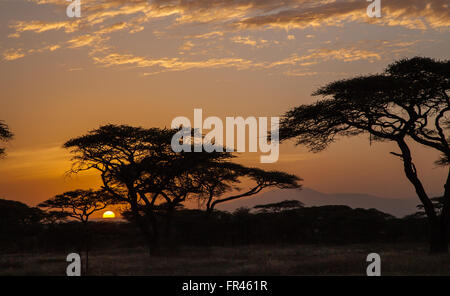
(109, 215)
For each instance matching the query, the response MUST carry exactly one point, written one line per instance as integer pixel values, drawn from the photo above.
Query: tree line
(28, 229)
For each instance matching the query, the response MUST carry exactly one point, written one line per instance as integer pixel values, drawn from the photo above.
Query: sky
(143, 63)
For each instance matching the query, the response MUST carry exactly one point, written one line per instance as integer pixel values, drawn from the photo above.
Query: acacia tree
(175, 181)
(15, 217)
(438, 203)
(216, 182)
(138, 167)
(207, 180)
(80, 205)
(5, 135)
(280, 206)
(408, 102)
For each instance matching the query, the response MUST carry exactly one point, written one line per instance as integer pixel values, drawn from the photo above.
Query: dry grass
(244, 260)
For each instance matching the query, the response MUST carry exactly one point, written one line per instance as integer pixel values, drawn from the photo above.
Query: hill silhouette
(311, 197)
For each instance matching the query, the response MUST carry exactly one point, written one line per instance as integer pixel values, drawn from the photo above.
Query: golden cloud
(85, 40)
(41, 26)
(103, 17)
(247, 40)
(13, 54)
(171, 64)
(413, 14)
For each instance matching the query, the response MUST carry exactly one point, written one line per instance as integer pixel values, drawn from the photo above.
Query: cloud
(13, 54)
(343, 54)
(85, 40)
(206, 35)
(54, 47)
(412, 14)
(172, 64)
(300, 74)
(188, 45)
(113, 28)
(14, 35)
(299, 65)
(38, 162)
(75, 69)
(246, 14)
(238, 18)
(41, 26)
(46, 48)
(367, 50)
(247, 40)
(364, 50)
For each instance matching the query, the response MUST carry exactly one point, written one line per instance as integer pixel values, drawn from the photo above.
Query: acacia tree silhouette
(438, 203)
(408, 102)
(136, 165)
(223, 178)
(280, 206)
(5, 135)
(139, 167)
(80, 205)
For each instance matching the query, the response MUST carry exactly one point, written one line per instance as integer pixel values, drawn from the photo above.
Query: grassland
(243, 260)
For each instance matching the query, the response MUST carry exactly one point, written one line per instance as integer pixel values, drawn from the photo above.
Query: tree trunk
(438, 237)
(442, 243)
(87, 263)
(438, 226)
(150, 235)
(169, 220)
(155, 231)
(86, 247)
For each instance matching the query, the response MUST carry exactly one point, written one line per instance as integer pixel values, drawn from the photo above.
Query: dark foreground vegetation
(304, 241)
(24, 230)
(402, 259)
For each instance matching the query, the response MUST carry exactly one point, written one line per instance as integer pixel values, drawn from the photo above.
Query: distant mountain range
(310, 197)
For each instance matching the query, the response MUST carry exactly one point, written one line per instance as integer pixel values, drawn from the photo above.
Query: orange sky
(142, 62)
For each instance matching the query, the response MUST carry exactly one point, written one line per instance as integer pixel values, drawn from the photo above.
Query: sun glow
(109, 215)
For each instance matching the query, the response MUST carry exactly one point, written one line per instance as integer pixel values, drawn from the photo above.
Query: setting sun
(109, 215)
